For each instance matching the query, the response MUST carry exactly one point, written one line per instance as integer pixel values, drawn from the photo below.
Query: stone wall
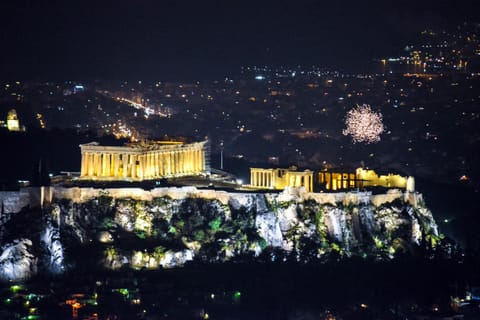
(340, 197)
(33, 197)
(14, 201)
(83, 194)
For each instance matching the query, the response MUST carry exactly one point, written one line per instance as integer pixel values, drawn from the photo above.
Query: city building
(13, 124)
(144, 160)
(363, 178)
(279, 178)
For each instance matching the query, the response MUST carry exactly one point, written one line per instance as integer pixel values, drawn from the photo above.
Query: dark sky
(159, 39)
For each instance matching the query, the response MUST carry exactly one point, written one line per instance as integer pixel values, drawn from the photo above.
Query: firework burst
(363, 124)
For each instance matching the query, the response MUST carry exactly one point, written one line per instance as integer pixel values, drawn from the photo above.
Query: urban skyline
(205, 40)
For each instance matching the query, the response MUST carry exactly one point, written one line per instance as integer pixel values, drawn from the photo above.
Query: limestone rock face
(268, 228)
(17, 261)
(172, 227)
(51, 241)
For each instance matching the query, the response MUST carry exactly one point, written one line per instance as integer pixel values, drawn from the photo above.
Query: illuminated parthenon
(143, 160)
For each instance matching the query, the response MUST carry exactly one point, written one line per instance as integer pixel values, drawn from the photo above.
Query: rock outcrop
(169, 227)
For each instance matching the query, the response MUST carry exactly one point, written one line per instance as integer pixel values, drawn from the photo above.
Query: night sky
(175, 40)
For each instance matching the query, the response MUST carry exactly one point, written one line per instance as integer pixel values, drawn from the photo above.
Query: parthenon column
(107, 157)
(164, 163)
(83, 170)
(156, 168)
(175, 162)
(136, 165)
(193, 166)
(151, 169)
(147, 165)
(169, 163)
(161, 164)
(131, 170)
(96, 164)
(124, 165)
(180, 162)
(116, 164)
(155, 164)
(188, 161)
(142, 166)
(102, 164)
(166, 158)
(195, 161)
(90, 164)
(184, 161)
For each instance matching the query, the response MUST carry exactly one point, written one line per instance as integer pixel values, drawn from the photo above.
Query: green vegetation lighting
(8, 301)
(215, 224)
(15, 288)
(236, 296)
(123, 291)
(378, 243)
(391, 250)
(141, 234)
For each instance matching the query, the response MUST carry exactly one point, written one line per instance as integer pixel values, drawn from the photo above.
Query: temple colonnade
(281, 178)
(142, 161)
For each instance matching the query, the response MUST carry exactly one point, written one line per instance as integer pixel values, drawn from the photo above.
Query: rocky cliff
(168, 227)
